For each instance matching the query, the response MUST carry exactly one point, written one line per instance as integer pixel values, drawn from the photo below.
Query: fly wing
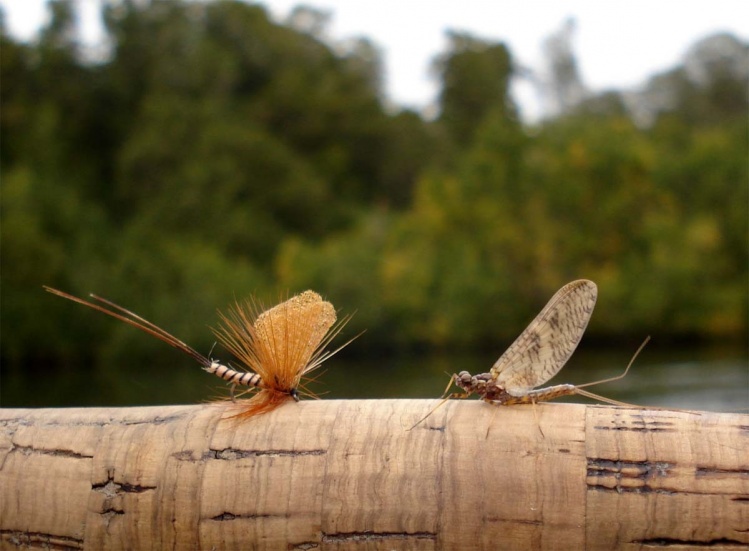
(548, 342)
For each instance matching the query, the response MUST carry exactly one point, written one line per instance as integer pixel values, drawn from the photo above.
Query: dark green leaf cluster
(211, 153)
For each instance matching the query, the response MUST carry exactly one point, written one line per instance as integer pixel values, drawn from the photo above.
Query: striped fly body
(276, 348)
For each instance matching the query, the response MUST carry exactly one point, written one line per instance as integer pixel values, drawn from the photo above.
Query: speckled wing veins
(548, 342)
(538, 354)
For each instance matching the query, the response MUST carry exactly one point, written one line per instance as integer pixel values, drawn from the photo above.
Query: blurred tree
(564, 88)
(475, 78)
(215, 152)
(410, 145)
(48, 150)
(311, 21)
(709, 88)
(207, 127)
(346, 270)
(15, 76)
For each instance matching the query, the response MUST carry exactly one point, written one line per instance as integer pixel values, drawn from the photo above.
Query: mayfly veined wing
(539, 353)
(278, 346)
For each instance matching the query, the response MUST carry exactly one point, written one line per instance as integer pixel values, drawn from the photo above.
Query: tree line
(210, 153)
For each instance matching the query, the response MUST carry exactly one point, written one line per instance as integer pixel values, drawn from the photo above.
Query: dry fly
(277, 347)
(538, 354)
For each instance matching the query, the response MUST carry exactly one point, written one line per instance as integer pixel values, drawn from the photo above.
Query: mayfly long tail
(136, 321)
(123, 314)
(591, 395)
(552, 392)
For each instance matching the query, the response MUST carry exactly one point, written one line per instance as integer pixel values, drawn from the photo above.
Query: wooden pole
(348, 475)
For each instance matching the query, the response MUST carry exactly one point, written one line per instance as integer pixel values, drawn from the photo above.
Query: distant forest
(212, 153)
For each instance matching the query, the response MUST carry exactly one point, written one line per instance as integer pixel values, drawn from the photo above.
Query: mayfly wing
(548, 342)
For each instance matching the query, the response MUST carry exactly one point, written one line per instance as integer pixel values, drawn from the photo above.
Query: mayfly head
(466, 382)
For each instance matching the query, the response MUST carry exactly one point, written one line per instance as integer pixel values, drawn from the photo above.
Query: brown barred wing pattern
(548, 342)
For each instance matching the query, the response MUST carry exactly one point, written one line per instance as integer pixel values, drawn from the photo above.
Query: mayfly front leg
(445, 398)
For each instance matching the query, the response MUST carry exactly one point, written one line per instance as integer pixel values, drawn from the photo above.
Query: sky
(618, 44)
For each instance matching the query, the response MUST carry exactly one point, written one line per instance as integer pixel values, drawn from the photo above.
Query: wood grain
(348, 475)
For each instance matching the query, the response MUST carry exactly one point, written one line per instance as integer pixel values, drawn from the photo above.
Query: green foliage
(345, 269)
(216, 153)
(41, 243)
(475, 86)
(475, 81)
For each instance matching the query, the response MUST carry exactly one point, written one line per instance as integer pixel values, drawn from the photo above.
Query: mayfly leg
(445, 397)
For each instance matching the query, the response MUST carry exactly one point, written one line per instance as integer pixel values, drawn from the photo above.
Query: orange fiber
(282, 345)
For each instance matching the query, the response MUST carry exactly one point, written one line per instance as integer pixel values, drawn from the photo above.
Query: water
(712, 379)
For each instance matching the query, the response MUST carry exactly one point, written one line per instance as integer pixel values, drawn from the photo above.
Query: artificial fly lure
(278, 346)
(538, 354)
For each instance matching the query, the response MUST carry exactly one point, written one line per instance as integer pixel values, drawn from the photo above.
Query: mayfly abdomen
(538, 395)
(246, 378)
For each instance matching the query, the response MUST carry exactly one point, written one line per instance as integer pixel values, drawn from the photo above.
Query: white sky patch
(617, 44)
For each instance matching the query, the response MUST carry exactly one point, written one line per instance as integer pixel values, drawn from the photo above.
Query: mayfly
(539, 353)
(278, 347)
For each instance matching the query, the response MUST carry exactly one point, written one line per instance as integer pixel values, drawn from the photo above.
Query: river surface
(706, 378)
